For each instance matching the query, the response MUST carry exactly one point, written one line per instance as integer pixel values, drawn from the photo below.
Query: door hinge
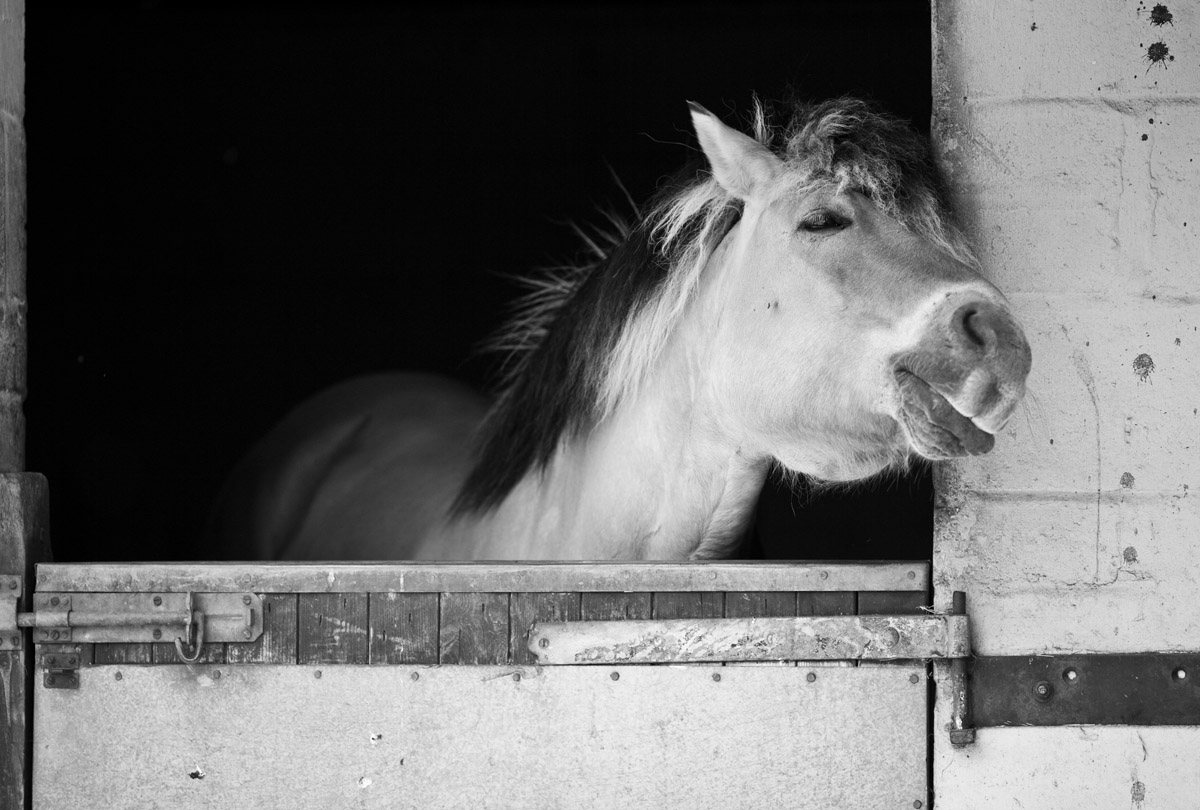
(10, 604)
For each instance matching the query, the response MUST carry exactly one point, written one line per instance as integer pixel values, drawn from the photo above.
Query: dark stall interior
(235, 205)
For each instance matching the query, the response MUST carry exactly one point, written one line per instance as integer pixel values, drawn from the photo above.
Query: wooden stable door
(414, 685)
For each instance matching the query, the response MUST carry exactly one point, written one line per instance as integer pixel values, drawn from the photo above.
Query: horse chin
(934, 428)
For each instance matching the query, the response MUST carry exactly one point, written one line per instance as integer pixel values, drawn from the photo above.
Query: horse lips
(933, 426)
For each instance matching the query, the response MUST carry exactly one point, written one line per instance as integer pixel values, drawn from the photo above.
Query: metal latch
(188, 619)
(60, 670)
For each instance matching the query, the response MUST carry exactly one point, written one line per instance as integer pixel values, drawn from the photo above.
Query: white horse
(806, 300)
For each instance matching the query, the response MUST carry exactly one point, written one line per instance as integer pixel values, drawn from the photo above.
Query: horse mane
(584, 338)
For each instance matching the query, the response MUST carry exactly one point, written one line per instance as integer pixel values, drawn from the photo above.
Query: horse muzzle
(964, 379)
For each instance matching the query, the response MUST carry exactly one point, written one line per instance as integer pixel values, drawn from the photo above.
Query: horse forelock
(585, 336)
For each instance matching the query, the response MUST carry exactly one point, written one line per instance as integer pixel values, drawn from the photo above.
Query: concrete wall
(1071, 131)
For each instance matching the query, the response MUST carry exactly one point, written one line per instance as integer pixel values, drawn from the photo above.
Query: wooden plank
(140, 653)
(278, 643)
(474, 628)
(615, 607)
(332, 628)
(404, 628)
(417, 577)
(24, 540)
(739, 604)
(527, 608)
(840, 638)
(688, 605)
(817, 603)
(210, 653)
(461, 737)
(896, 603)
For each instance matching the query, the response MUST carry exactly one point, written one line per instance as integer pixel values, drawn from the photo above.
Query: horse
(801, 298)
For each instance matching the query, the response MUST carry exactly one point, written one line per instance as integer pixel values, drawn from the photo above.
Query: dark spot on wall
(1151, 120)
(1138, 792)
(1143, 367)
(196, 773)
(1127, 480)
(1145, 136)
(1159, 15)
(1033, 27)
(1052, 441)
(1129, 554)
(1177, 343)
(1158, 54)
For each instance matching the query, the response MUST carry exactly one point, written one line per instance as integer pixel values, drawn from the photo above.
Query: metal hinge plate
(805, 638)
(10, 603)
(1144, 689)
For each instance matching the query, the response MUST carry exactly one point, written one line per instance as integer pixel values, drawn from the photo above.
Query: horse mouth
(935, 429)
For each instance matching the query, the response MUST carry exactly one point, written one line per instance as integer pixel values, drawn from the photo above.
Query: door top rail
(515, 577)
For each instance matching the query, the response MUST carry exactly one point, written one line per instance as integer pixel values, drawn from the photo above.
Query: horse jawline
(934, 428)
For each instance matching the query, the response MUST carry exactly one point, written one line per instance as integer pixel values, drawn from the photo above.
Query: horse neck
(663, 477)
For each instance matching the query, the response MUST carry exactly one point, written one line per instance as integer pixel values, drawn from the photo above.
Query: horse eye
(823, 221)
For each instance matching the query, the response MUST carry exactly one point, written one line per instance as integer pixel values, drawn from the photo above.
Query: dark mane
(571, 363)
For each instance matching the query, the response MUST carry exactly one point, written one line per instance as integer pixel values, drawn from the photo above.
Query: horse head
(849, 324)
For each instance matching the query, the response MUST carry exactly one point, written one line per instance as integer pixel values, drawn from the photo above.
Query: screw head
(54, 601)
(517, 676)
(54, 634)
(246, 633)
(717, 677)
(810, 677)
(49, 680)
(12, 584)
(914, 678)
(1042, 690)
(216, 675)
(52, 660)
(157, 634)
(1179, 674)
(16, 641)
(118, 676)
(543, 642)
(416, 676)
(317, 674)
(158, 601)
(616, 676)
(246, 600)
(824, 575)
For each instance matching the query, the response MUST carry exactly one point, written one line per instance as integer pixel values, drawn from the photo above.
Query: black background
(232, 206)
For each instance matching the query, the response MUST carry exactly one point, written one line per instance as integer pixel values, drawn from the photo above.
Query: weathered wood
(817, 603)
(140, 653)
(740, 604)
(24, 540)
(404, 628)
(483, 577)
(279, 642)
(465, 737)
(332, 628)
(525, 609)
(474, 628)
(211, 653)
(615, 607)
(842, 638)
(896, 603)
(688, 605)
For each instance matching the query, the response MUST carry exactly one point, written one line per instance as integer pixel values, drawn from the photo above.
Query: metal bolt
(1069, 674)
(54, 601)
(246, 633)
(1180, 674)
(1042, 690)
(54, 635)
(912, 574)
(917, 804)
(914, 678)
(246, 600)
(517, 676)
(72, 661)
(543, 642)
(49, 680)
(118, 676)
(416, 676)
(616, 676)
(810, 677)
(12, 584)
(52, 660)
(824, 575)
(157, 634)
(158, 601)
(216, 676)
(717, 677)
(317, 674)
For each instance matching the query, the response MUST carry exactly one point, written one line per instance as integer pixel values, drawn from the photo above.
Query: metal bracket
(1145, 689)
(60, 670)
(806, 638)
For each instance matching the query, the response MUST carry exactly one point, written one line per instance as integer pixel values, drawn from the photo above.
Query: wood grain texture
(415, 577)
(525, 609)
(740, 604)
(465, 737)
(474, 628)
(404, 628)
(279, 641)
(688, 605)
(820, 603)
(332, 628)
(897, 603)
(615, 607)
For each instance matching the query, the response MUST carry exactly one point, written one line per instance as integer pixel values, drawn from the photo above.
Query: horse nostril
(974, 322)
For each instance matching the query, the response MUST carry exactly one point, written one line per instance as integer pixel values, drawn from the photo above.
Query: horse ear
(741, 165)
